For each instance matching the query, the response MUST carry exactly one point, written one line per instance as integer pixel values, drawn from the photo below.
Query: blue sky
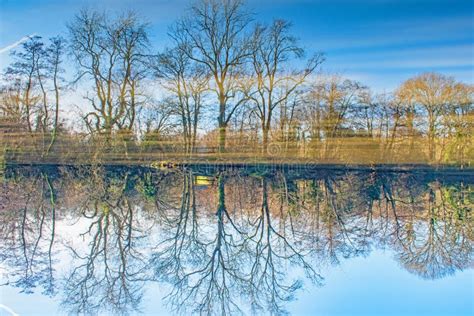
(379, 42)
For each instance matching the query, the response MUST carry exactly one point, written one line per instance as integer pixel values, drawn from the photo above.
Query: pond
(247, 240)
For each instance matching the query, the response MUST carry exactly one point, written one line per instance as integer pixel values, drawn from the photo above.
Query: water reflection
(225, 242)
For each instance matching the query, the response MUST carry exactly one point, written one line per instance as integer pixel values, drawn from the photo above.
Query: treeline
(123, 230)
(229, 85)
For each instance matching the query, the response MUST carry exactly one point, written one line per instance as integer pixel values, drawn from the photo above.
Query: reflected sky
(242, 241)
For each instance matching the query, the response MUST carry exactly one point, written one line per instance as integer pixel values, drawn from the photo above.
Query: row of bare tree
(255, 79)
(98, 237)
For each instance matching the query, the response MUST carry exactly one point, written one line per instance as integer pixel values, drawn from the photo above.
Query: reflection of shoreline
(305, 170)
(236, 223)
(203, 165)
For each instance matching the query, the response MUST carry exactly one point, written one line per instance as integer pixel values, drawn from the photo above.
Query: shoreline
(264, 166)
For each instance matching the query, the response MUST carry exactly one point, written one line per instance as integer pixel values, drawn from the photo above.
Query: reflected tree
(442, 242)
(224, 242)
(109, 273)
(28, 221)
(271, 251)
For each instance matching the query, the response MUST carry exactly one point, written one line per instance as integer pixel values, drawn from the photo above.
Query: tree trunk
(411, 131)
(431, 142)
(222, 137)
(222, 123)
(265, 132)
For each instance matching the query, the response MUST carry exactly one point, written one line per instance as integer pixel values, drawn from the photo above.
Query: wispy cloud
(12, 46)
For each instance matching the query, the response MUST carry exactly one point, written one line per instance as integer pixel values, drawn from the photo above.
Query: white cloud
(12, 46)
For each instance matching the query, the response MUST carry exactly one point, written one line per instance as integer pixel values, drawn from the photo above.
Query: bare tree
(214, 35)
(28, 235)
(336, 97)
(434, 94)
(273, 82)
(188, 82)
(34, 74)
(271, 249)
(24, 70)
(11, 105)
(458, 123)
(291, 118)
(55, 53)
(112, 54)
(156, 123)
(111, 265)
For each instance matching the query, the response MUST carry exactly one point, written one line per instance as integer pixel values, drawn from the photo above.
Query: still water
(111, 241)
